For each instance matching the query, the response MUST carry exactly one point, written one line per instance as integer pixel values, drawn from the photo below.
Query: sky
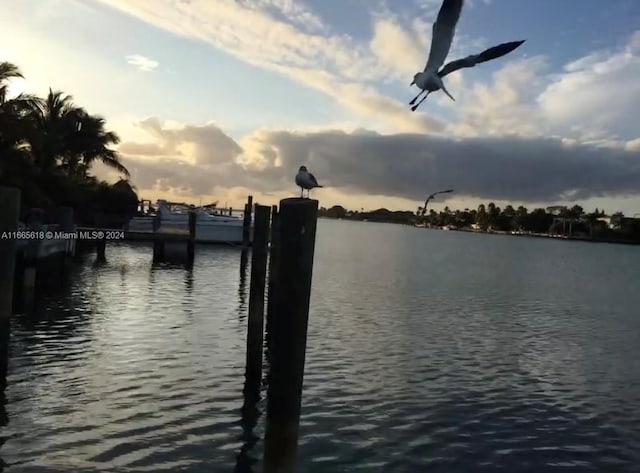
(218, 99)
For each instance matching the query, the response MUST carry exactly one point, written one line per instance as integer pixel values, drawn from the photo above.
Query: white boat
(211, 226)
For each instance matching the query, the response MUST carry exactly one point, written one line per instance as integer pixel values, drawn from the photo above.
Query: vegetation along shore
(555, 221)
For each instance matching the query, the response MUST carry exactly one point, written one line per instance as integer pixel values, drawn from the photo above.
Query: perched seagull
(444, 28)
(305, 180)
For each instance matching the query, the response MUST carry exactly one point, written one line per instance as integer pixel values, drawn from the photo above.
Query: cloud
(527, 132)
(390, 37)
(601, 89)
(287, 37)
(203, 145)
(507, 105)
(335, 64)
(294, 11)
(142, 63)
(382, 112)
(399, 165)
(594, 99)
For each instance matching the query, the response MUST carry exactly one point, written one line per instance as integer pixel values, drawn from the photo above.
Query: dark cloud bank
(401, 165)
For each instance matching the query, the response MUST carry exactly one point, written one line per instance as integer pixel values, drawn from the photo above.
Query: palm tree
(11, 109)
(47, 147)
(9, 71)
(482, 217)
(91, 143)
(67, 137)
(51, 123)
(15, 165)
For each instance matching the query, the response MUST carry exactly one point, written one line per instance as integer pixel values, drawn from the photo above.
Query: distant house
(556, 209)
(606, 221)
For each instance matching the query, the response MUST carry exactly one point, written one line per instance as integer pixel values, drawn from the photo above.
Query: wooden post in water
(255, 326)
(101, 243)
(34, 222)
(273, 269)
(191, 251)
(9, 214)
(246, 224)
(66, 221)
(298, 220)
(158, 243)
(65, 218)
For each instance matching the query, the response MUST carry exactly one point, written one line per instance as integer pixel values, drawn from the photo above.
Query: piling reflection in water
(242, 287)
(250, 414)
(188, 281)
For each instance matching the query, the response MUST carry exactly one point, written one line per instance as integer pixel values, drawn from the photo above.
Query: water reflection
(175, 252)
(140, 367)
(242, 286)
(99, 262)
(250, 414)
(188, 281)
(4, 364)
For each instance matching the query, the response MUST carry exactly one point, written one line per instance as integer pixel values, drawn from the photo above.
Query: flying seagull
(424, 209)
(305, 180)
(444, 28)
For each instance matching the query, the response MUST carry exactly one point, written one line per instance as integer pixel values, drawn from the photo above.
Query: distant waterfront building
(606, 221)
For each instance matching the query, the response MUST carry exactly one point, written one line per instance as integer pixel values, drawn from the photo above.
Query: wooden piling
(65, 218)
(157, 221)
(32, 267)
(246, 224)
(255, 326)
(9, 214)
(158, 249)
(242, 287)
(297, 232)
(191, 242)
(273, 269)
(158, 242)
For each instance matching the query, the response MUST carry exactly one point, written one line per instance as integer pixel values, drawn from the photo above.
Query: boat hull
(207, 231)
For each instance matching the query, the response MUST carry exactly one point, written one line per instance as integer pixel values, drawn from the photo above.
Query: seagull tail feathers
(444, 89)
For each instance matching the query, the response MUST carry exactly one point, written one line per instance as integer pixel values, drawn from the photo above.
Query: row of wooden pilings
(283, 252)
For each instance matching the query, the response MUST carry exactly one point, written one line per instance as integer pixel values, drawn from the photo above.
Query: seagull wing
(313, 179)
(487, 55)
(426, 202)
(443, 30)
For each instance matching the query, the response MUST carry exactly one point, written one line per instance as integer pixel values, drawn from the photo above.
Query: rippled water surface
(427, 351)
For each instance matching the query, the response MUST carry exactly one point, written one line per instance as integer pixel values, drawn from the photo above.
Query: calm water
(427, 351)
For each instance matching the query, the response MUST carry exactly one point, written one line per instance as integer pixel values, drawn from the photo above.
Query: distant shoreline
(545, 235)
(503, 233)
